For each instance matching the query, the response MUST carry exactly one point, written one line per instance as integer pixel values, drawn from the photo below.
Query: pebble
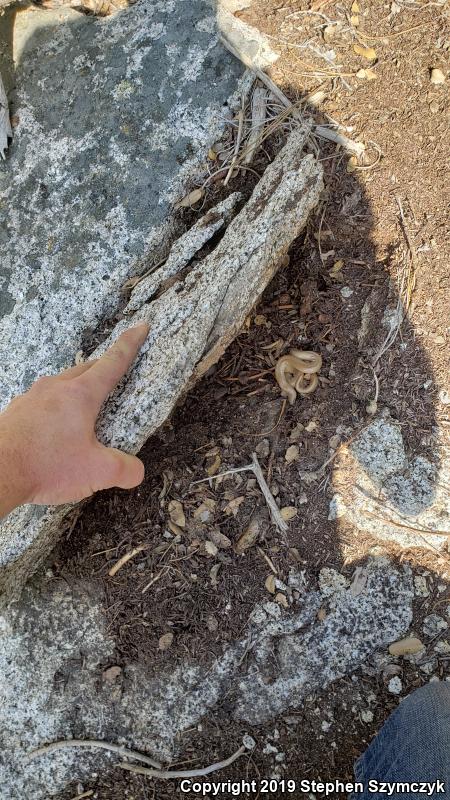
(439, 339)
(337, 508)
(444, 397)
(263, 448)
(437, 76)
(395, 685)
(346, 292)
(421, 586)
(366, 715)
(434, 106)
(433, 624)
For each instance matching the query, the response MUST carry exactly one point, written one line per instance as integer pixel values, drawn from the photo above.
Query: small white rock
(434, 624)
(366, 715)
(395, 685)
(346, 292)
(437, 76)
(420, 586)
(337, 508)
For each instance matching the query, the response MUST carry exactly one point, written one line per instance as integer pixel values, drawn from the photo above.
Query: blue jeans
(413, 746)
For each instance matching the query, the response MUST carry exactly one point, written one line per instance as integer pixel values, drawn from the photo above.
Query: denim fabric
(413, 745)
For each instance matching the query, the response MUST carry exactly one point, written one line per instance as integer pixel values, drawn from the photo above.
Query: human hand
(49, 453)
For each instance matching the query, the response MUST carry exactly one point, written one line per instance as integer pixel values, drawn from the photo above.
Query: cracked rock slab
(191, 324)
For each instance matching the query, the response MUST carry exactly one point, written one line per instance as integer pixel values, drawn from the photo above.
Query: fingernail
(143, 328)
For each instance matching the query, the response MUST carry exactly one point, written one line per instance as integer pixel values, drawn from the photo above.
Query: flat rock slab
(199, 307)
(50, 692)
(114, 115)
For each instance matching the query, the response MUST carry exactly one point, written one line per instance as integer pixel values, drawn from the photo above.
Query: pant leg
(413, 745)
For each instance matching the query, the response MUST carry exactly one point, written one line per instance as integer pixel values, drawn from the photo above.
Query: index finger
(105, 373)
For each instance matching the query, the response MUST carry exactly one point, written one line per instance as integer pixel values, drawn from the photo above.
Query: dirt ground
(378, 222)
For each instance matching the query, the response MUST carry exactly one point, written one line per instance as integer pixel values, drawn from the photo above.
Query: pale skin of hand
(49, 453)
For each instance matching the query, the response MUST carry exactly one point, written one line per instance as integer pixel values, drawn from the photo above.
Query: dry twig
(190, 773)
(127, 557)
(91, 743)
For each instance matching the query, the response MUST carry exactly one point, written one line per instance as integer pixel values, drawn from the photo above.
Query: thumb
(120, 469)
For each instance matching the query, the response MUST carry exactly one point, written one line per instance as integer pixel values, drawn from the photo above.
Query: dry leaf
(311, 426)
(288, 512)
(355, 8)
(260, 319)
(281, 599)
(366, 74)
(212, 155)
(337, 266)
(407, 646)
(213, 572)
(352, 163)
(205, 511)
(191, 199)
(219, 539)
(214, 466)
(232, 507)
(270, 583)
(292, 453)
(176, 513)
(250, 536)
(165, 641)
(296, 432)
(174, 528)
(354, 20)
(321, 614)
(211, 548)
(365, 52)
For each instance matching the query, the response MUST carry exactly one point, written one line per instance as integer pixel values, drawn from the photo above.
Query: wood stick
(113, 748)
(190, 773)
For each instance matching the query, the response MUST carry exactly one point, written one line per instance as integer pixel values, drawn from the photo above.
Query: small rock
(211, 548)
(334, 442)
(346, 292)
(439, 339)
(281, 599)
(111, 674)
(444, 397)
(443, 647)
(433, 625)
(434, 106)
(395, 685)
(263, 448)
(366, 715)
(292, 453)
(407, 646)
(212, 624)
(421, 586)
(337, 508)
(437, 76)
(302, 499)
(165, 641)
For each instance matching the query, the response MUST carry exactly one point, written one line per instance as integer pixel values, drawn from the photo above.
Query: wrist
(15, 482)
